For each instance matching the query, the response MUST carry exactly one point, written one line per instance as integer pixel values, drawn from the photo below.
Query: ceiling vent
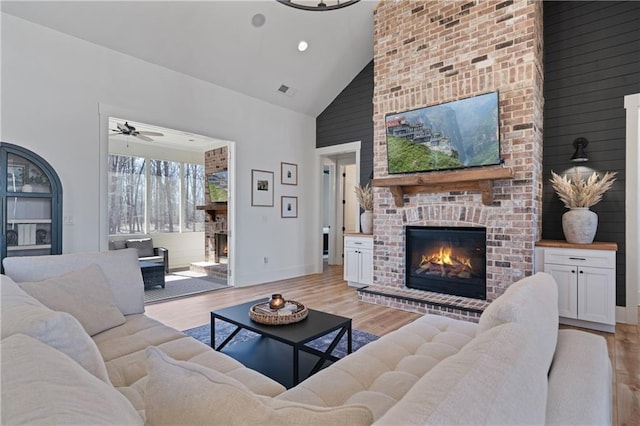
(286, 90)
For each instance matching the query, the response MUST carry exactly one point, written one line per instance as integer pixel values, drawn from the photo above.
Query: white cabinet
(586, 284)
(358, 260)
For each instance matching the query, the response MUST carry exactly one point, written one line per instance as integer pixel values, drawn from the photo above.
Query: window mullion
(147, 194)
(183, 201)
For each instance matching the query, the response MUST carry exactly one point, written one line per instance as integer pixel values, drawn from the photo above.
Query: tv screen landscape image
(452, 135)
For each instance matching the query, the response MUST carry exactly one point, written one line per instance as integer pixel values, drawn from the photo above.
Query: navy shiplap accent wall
(592, 60)
(349, 118)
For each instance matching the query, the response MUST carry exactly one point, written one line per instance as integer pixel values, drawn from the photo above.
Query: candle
(276, 302)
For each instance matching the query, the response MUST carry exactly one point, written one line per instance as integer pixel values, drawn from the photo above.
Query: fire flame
(444, 256)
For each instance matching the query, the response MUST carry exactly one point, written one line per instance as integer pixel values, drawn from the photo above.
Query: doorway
(185, 238)
(339, 167)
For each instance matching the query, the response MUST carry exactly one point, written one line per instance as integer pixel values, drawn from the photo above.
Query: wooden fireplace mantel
(214, 208)
(477, 180)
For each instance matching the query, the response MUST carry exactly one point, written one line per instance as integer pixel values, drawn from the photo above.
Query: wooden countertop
(596, 245)
(357, 234)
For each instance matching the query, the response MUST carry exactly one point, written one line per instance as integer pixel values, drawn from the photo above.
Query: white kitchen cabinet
(358, 260)
(586, 279)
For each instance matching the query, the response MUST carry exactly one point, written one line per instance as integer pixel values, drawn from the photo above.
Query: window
(193, 196)
(126, 195)
(154, 196)
(164, 200)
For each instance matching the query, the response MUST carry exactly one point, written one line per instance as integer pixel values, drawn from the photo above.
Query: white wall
(52, 87)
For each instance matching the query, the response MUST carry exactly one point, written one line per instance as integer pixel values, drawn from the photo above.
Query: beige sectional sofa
(77, 348)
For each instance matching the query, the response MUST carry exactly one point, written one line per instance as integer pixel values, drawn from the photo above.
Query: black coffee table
(277, 343)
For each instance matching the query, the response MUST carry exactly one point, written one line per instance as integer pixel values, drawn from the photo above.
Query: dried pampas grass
(577, 192)
(365, 196)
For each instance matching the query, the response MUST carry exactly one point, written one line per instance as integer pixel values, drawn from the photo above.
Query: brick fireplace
(427, 53)
(216, 220)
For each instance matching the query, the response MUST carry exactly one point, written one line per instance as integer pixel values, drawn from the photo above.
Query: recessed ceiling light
(258, 20)
(302, 46)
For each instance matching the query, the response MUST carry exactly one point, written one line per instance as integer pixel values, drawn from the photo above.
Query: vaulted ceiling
(216, 41)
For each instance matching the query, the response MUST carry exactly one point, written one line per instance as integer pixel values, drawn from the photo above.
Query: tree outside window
(171, 189)
(126, 195)
(194, 181)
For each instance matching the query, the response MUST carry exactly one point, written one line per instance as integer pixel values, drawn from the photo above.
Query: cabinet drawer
(593, 258)
(358, 242)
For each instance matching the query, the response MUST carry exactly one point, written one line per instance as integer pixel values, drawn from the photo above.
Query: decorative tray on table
(291, 312)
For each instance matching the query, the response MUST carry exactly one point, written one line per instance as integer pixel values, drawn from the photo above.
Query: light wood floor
(328, 292)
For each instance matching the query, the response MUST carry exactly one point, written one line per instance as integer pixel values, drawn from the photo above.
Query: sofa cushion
(41, 385)
(121, 268)
(56, 329)
(381, 372)
(143, 245)
(494, 380)
(533, 303)
(580, 381)
(186, 393)
(85, 294)
(123, 349)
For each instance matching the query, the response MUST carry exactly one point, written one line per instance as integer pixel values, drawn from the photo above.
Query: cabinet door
(596, 295)
(351, 262)
(31, 199)
(366, 267)
(566, 277)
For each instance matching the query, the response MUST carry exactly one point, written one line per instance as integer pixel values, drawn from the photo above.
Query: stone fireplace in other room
(221, 250)
(448, 260)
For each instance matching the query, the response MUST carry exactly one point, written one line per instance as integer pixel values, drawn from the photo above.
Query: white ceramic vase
(366, 222)
(579, 225)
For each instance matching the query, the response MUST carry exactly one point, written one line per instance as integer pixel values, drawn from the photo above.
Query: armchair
(146, 250)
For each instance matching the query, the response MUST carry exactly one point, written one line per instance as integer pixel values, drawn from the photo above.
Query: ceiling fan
(129, 130)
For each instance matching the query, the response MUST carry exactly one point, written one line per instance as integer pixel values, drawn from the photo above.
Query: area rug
(179, 286)
(223, 329)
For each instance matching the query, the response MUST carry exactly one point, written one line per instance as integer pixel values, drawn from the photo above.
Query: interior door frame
(323, 154)
(104, 112)
(629, 313)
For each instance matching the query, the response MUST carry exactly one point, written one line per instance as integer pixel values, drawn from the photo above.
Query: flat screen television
(218, 186)
(453, 135)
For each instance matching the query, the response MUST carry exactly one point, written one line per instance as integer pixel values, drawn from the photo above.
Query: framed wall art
(288, 174)
(289, 206)
(261, 188)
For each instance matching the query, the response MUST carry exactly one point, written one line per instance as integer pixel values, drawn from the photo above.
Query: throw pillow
(181, 392)
(119, 244)
(58, 330)
(22, 314)
(143, 245)
(43, 386)
(85, 294)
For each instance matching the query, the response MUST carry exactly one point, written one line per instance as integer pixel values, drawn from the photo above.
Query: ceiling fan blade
(143, 137)
(115, 134)
(150, 133)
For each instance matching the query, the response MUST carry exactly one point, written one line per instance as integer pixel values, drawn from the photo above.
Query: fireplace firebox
(448, 260)
(220, 246)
